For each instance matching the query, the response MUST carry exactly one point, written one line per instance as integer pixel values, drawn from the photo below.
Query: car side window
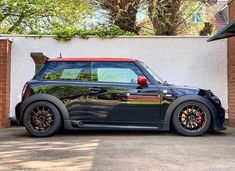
(118, 72)
(79, 71)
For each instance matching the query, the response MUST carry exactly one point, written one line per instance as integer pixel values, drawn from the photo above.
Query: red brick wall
(5, 61)
(219, 21)
(231, 69)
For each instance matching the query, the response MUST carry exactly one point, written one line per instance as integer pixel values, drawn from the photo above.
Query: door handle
(95, 90)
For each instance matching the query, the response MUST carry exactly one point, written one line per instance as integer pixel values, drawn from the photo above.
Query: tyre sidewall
(56, 125)
(179, 128)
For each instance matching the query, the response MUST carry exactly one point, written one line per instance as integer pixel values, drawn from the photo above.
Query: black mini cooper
(113, 93)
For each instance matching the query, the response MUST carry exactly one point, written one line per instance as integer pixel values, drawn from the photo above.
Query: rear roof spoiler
(39, 57)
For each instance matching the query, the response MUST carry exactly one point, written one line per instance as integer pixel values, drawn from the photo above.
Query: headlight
(213, 97)
(209, 93)
(216, 100)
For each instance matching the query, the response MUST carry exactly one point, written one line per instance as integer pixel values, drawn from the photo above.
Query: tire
(42, 119)
(191, 118)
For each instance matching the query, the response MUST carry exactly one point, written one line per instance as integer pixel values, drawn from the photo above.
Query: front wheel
(42, 119)
(191, 118)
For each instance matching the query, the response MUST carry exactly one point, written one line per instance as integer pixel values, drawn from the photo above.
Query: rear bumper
(17, 113)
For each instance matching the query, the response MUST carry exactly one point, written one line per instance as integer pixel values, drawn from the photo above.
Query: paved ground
(123, 150)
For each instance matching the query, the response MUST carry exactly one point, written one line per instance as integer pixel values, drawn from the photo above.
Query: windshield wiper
(165, 83)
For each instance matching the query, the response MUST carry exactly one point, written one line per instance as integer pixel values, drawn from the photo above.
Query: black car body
(113, 93)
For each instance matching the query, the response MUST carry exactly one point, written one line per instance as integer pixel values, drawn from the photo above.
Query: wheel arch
(44, 97)
(197, 98)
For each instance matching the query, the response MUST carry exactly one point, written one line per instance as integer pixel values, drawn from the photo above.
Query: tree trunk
(123, 13)
(165, 16)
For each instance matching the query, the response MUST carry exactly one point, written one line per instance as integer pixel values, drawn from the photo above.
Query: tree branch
(17, 23)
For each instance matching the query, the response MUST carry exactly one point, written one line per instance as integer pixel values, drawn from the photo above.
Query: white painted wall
(180, 60)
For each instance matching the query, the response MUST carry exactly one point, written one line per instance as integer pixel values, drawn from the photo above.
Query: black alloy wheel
(191, 118)
(42, 119)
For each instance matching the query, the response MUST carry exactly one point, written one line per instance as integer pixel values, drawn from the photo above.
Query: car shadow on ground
(100, 133)
(111, 133)
(115, 133)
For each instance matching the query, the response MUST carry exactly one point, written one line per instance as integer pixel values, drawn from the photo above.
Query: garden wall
(180, 60)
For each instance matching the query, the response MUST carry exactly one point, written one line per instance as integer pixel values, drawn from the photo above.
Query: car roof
(95, 59)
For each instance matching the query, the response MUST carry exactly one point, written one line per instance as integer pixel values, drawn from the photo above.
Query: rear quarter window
(79, 71)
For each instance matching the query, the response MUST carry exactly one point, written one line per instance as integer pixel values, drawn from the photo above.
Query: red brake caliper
(33, 119)
(199, 119)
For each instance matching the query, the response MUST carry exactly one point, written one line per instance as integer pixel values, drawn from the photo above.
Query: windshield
(154, 75)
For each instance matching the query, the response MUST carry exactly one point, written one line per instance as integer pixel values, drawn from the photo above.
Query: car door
(117, 98)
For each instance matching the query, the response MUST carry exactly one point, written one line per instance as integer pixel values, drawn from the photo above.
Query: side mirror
(142, 81)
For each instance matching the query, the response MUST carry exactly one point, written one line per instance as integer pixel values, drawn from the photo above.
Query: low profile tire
(191, 118)
(42, 119)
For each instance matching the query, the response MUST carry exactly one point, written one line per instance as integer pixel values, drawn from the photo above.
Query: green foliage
(83, 33)
(69, 18)
(41, 17)
(207, 30)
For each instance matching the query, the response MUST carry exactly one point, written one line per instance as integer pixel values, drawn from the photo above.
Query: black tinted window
(67, 71)
(120, 72)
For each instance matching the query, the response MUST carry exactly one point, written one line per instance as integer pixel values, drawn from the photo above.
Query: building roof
(95, 59)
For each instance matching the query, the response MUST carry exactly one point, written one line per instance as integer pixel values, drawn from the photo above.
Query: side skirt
(79, 125)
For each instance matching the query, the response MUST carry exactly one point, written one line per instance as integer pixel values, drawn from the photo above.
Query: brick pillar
(5, 67)
(231, 69)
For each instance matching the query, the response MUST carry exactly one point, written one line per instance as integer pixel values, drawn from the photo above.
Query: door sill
(81, 125)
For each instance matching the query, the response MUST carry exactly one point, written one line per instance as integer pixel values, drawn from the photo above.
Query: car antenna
(60, 56)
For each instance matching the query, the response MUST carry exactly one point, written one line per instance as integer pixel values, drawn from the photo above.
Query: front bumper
(219, 125)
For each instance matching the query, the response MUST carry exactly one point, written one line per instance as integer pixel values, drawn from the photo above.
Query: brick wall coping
(8, 39)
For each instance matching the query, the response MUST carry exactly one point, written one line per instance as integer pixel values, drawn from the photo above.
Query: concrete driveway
(122, 150)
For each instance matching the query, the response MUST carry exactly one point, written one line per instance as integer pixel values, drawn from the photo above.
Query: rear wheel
(42, 119)
(191, 118)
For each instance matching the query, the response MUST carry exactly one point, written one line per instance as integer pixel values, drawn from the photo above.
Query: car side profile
(113, 93)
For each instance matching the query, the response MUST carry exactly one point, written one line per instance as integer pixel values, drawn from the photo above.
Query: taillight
(25, 91)
(24, 88)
